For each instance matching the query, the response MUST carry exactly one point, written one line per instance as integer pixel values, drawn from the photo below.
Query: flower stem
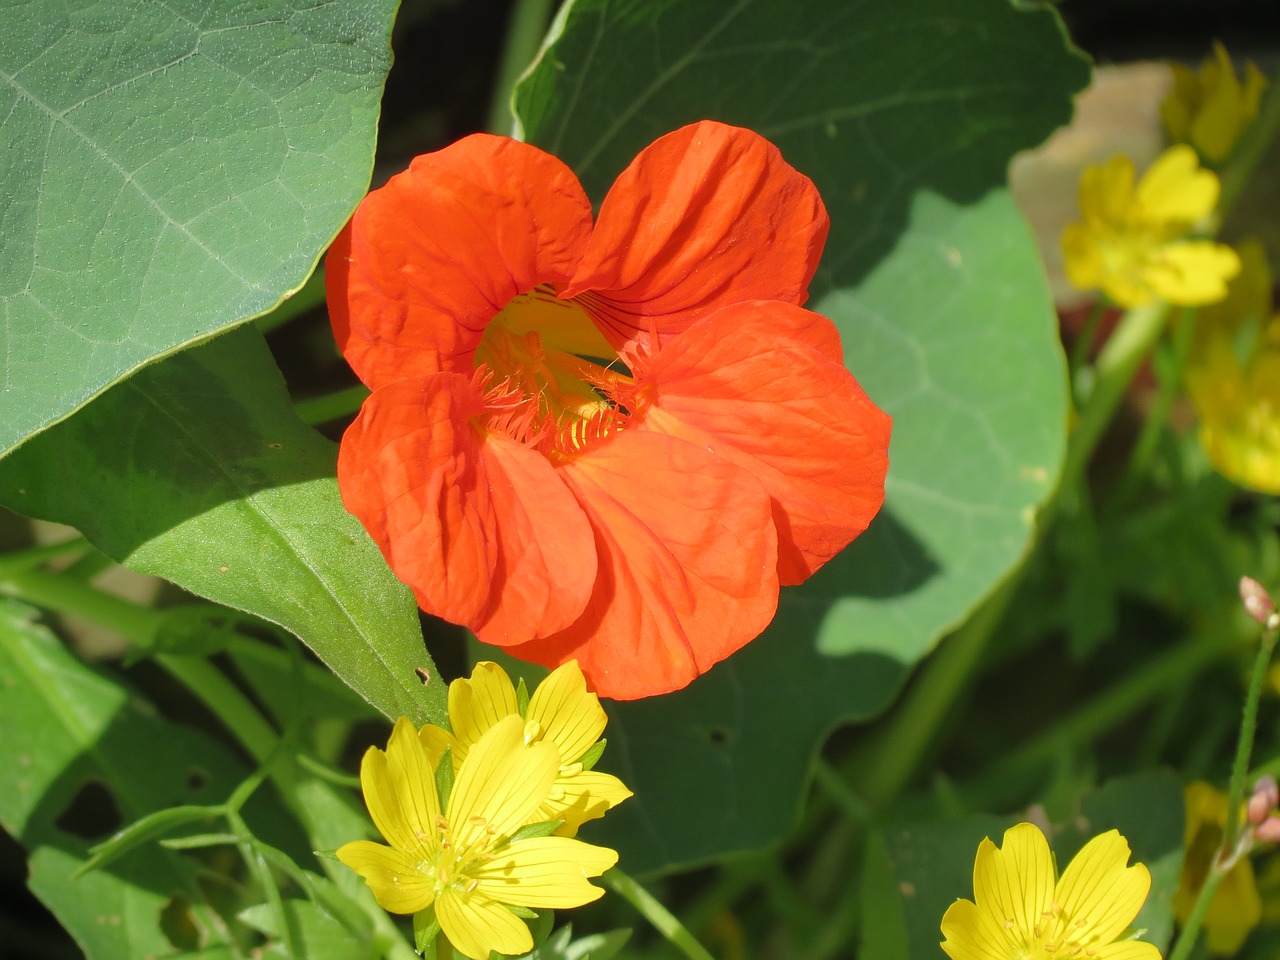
(1118, 362)
(1251, 149)
(1234, 841)
(525, 30)
(659, 917)
(315, 411)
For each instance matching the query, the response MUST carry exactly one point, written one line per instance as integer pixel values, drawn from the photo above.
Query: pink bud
(1268, 831)
(1257, 602)
(1265, 798)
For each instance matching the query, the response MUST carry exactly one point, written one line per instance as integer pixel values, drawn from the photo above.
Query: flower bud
(1265, 798)
(1257, 602)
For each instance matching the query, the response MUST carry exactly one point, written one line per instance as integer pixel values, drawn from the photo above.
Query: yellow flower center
(1053, 937)
(551, 380)
(453, 864)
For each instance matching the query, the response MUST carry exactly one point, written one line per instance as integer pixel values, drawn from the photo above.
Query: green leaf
(884, 925)
(315, 934)
(170, 169)
(149, 828)
(196, 470)
(722, 765)
(932, 867)
(72, 740)
(595, 946)
(905, 114)
(1147, 808)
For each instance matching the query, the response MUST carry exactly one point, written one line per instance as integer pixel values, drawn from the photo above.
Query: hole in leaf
(719, 735)
(177, 924)
(92, 813)
(197, 779)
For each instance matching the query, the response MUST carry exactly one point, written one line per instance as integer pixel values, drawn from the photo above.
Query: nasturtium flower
(1236, 907)
(1131, 241)
(1022, 910)
(561, 711)
(1209, 109)
(1233, 377)
(464, 859)
(605, 440)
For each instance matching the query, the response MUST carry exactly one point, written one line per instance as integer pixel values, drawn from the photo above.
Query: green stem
(840, 793)
(1083, 343)
(1154, 423)
(889, 762)
(1252, 148)
(525, 30)
(331, 406)
(29, 558)
(1234, 840)
(659, 917)
(1110, 707)
(1118, 362)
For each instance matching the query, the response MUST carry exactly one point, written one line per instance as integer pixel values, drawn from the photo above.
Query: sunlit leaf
(196, 470)
(170, 169)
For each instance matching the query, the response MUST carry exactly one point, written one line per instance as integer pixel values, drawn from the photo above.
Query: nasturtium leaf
(83, 750)
(170, 169)
(905, 114)
(196, 470)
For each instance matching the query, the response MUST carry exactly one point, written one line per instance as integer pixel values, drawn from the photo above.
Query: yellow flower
(1210, 109)
(1236, 908)
(1130, 241)
(561, 711)
(462, 861)
(1233, 377)
(1022, 911)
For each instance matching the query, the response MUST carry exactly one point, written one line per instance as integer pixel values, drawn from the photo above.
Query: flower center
(550, 379)
(1054, 936)
(455, 861)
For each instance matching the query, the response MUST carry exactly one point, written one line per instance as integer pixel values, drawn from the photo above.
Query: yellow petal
(582, 797)
(475, 925)
(399, 789)
(477, 704)
(394, 878)
(1015, 882)
(1080, 256)
(1098, 893)
(1192, 273)
(1106, 190)
(501, 784)
(1129, 950)
(570, 717)
(435, 740)
(1175, 190)
(545, 872)
(973, 934)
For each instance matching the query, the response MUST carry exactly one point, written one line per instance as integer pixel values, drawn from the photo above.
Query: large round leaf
(905, 114)
(169, 169)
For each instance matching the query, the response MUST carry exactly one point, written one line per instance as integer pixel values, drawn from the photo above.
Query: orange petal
(483, 529)
(429, 259)
(408, 469)
(707, 215)
(746, 382)
(688, 565)
(546, 552)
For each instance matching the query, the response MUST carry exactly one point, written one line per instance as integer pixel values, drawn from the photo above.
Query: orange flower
(607, 442)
